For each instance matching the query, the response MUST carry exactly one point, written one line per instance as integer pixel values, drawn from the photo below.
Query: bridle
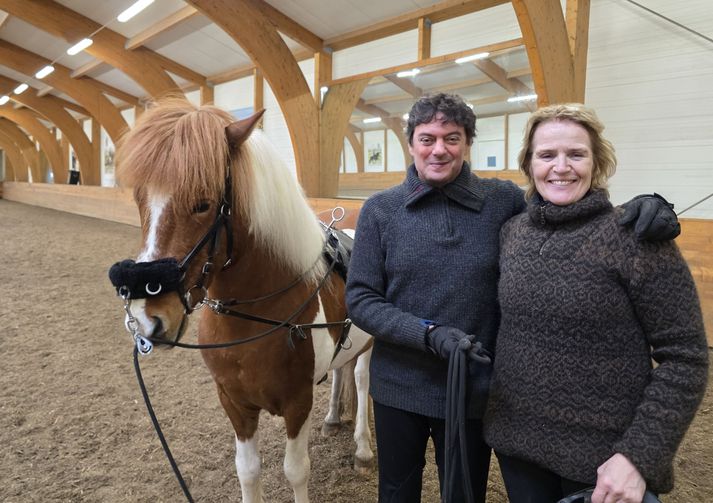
(165, 275)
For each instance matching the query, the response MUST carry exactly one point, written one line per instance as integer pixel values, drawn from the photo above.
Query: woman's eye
(201, 207)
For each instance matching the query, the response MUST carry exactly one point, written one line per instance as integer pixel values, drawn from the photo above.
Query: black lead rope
(157, 427)
(456, 449)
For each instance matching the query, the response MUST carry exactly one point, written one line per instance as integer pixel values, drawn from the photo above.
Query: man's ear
(238, 131)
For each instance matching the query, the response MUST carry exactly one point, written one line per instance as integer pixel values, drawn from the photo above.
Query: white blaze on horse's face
(155, 208)
(148, 319)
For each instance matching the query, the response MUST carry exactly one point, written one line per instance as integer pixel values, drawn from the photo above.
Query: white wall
(650, 83)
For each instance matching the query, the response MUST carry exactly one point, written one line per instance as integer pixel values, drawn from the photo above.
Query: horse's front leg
(332, 420)
(247, 446)
(297, 464)
(247, 464)
(364, 456)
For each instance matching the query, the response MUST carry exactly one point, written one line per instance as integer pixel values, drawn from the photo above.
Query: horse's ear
(238, 131)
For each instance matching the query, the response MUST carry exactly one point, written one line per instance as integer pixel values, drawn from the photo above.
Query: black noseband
(146, 279)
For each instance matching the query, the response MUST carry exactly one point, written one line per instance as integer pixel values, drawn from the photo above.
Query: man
(423, 274)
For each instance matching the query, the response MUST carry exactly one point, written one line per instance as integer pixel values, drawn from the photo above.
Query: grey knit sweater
(585, 307)
(423, 253)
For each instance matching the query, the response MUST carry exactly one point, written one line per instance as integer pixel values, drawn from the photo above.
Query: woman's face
(562, 161)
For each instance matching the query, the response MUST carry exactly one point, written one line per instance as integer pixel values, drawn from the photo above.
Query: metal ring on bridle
(123, 292)
(189, 298)
(153, 292)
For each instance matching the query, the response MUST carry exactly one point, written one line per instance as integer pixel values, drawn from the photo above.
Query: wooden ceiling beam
(127, 98)
(142, 65)
(544, 31)
(83, 91)
(240, 72)
(253, 30)
(500, 77)
(52, 108)
(27, 148)
(289, 27)
(577, 20)
(409, 21)
(90, 66)
(43, 136)
(160, 27)
(14, 162)
(406, 85)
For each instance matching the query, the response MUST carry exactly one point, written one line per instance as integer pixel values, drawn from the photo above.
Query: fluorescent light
(371, 119)
(4, 99)
(133, 10)
(526, 97)
(80, 46)
(408, 73)
(470, 105)
(44, 72)
(404, 117)
(21, 89)
(472, 57)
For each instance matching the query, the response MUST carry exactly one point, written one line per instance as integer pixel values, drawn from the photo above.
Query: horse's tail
(348, 394)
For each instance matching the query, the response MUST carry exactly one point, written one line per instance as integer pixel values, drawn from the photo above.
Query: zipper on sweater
(544, 243)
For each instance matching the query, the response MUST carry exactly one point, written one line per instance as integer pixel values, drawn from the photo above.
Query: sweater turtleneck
(545, 214)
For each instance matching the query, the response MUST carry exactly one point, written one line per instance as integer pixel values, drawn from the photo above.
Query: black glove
(444, 340)
(654, 216)
(477, 353)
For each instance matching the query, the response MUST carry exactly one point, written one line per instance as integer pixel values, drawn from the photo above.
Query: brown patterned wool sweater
(585, 308)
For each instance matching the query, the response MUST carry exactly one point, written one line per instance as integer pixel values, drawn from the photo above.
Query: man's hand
(654, 218)
(444, 340)
(618, 481)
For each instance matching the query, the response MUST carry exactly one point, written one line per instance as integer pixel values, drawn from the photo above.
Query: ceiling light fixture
(526, 97)
(80, 46)
(21, 88)
(44, 72)
(4, 99)
(409, 73)
(472, 57)
(371, 119)
(133, 10)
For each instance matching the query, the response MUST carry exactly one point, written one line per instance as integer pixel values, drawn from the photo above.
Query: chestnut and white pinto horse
(212, 191)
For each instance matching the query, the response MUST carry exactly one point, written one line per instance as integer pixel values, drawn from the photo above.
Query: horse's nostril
(158, 327)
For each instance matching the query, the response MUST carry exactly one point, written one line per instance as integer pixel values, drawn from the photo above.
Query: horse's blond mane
(181, 150)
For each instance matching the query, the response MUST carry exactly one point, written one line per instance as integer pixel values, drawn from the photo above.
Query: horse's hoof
(363, 466)
(330, 429)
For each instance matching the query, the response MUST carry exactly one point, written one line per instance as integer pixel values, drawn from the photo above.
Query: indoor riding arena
(336, 80)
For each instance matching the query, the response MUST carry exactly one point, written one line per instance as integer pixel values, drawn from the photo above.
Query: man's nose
(439, 147)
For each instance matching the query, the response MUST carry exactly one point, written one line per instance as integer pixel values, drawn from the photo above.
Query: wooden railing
(115, 204)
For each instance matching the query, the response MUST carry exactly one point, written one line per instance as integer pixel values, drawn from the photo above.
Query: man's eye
(201, 207)
(426, 141)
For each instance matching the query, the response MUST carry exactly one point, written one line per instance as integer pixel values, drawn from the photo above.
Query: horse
(224, 224)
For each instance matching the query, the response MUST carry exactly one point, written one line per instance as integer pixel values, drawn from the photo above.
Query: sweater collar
(543, 213)
(466, 189)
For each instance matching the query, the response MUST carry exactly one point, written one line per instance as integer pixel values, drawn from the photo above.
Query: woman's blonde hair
(604, 158)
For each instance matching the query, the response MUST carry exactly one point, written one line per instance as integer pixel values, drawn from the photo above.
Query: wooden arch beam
(42, 135)
(259, 38)
(339, 103)
(29, 153)
(546, 38)
(14, 160)
(52, 108)
(81, 90)
(143, 65)
(357, 147)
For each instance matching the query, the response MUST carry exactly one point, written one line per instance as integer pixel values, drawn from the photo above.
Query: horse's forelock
(178, 149)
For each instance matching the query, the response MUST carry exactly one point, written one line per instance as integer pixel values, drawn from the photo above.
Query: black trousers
(401, 439)
(529, 483)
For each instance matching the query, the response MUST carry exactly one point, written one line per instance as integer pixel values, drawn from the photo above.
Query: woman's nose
(560, 164)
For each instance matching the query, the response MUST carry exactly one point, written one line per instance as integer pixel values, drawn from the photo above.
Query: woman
(575, 400)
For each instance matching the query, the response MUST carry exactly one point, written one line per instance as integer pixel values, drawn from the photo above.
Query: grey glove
(444, 340)
(654, 217)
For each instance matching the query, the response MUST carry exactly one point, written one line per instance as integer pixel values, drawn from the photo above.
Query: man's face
(438, 148)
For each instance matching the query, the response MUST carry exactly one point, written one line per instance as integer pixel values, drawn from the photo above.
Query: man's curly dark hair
(451, 107)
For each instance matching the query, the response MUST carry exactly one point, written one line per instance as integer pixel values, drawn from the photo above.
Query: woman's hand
(618, 481)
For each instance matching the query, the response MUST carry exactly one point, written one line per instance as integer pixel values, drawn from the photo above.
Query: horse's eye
(201, 207)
